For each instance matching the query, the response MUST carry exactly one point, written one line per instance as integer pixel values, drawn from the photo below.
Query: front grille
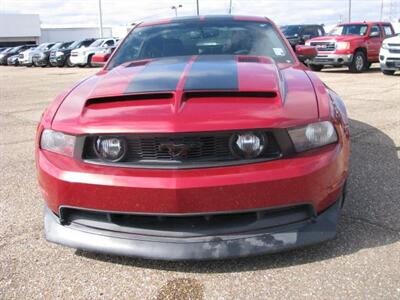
(394, 45)
(74, 54)
(394, 50)
(393, 58)
(324, 46)
(186, 225)
(206, 149)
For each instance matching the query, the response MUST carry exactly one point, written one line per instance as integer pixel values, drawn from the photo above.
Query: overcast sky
(121, 12)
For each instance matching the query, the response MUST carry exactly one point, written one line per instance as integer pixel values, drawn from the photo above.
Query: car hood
(86, 49)
(337, 38)
(188, 94)
(394, 39)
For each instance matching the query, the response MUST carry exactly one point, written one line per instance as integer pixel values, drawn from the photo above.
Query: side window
(309, 30)
(376, 29)
(87, 43)
(109, 43)
(388, 30)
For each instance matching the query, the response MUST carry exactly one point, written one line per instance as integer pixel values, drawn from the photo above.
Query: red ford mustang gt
(202, 138)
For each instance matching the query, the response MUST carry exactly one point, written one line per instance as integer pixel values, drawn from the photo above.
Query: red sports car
(202, 138)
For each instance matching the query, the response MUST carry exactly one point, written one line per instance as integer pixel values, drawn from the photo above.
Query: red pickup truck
(355, 45)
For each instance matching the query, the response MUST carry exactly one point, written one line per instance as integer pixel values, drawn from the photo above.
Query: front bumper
(319, 175)
(332, 59)
(58, 60)
(40, 60)
(270, 240)
(78, 59)
(390, 60)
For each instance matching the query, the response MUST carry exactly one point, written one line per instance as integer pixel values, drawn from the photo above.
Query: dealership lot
(363, 262)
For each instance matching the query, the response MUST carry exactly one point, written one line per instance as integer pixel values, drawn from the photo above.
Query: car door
(374, 42)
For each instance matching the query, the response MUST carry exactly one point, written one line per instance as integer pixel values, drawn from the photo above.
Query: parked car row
(356, 45)
(73, 53)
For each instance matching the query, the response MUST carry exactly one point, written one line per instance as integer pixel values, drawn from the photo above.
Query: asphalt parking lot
(363, 262)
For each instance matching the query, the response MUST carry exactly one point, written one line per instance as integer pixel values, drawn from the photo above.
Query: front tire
(359, 63)
(388, 72)
(90, 61)
(316, 68)
(69, 63)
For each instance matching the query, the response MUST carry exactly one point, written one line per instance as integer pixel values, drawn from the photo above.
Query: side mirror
(305, 53)
(306, 37)
(99, 59)
(374, 34)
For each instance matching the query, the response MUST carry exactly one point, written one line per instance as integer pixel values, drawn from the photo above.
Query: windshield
(42, 46)
(354, 29)
(74, 44)
(202, 38)
(56, 46)
(15, 49)
(96, 43)
(291, 30)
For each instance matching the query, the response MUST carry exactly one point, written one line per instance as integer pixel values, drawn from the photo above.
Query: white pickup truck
(389, 55)
(82, 57)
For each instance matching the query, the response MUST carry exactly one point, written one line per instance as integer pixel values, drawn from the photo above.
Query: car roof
(365, 22)
(205, 18)
(302, 25)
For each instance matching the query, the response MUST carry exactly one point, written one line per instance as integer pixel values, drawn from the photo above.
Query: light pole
(381, 10)
(100, 20)
(176, 9)
(230, 7)
(197, 6)
(349, 10)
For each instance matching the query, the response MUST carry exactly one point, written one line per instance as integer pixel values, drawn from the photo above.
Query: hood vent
(152, 96)
(228, 94)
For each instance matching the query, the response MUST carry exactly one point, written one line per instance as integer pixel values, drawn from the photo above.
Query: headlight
(313, 136)
(110, 149)
(248, 144)
(343, 46)
(308, 43)
(58, 142)
(59, 53)
(385, 46)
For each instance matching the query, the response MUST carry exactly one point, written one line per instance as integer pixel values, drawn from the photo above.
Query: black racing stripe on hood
(159, 75)
(213, 72)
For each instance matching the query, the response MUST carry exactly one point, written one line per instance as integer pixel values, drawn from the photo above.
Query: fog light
(111, 149)
(248, 144)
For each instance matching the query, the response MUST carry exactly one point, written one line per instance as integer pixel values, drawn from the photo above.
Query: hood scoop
(126, 98)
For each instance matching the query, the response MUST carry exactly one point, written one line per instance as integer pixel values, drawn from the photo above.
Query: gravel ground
(363, 262)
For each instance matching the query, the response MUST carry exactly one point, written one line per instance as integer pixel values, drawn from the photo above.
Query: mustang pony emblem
(177, 150)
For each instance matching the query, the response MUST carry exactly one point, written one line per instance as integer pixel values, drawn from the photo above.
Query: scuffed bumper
(270, 240)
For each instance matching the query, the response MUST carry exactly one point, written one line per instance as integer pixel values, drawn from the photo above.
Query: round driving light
(248, 144)
(111, 149)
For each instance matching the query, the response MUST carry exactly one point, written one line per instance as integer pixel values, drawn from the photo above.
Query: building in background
(18, 29)
(68, 33)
